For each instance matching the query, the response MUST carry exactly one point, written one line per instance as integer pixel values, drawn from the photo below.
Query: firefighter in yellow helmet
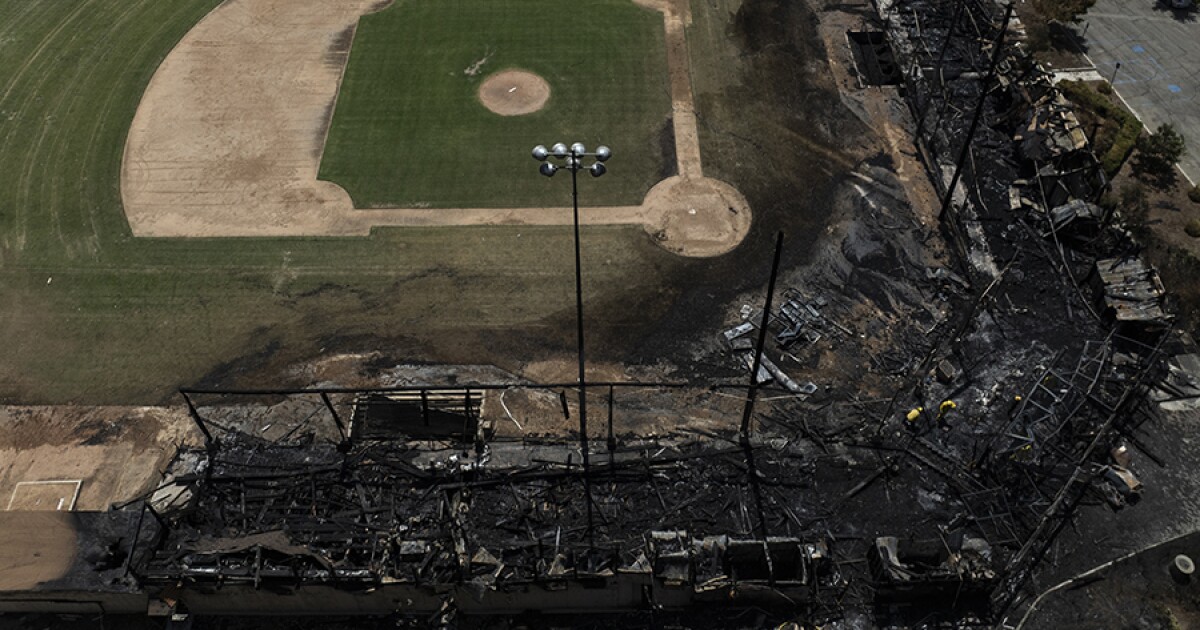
(944, 410)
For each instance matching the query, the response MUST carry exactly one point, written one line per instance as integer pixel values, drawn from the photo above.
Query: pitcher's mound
(514, 92)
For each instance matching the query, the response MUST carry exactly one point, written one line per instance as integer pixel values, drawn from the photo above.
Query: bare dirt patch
(696, 217)
(115, 452)
(41, 548)
(228, 136)
(514, 92)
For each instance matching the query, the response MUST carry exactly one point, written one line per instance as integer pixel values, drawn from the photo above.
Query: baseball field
(91, 313)
(183, 198)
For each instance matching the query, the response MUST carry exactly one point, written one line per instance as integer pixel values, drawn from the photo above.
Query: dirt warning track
(228, 137)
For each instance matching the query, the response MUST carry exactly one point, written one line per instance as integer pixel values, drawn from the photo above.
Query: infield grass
(89, 314)
(408, 129)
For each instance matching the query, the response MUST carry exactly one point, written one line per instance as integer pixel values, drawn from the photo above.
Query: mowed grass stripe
(409, 130)
(12, 16)
(80, 60)
(88, 219)
(68, 109)
(43, 43)
(22, 131)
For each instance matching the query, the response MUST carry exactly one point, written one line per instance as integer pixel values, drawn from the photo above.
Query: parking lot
(1158, 53)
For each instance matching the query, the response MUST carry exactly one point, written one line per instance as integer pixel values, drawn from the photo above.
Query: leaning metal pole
(985, 87)
(762, 339)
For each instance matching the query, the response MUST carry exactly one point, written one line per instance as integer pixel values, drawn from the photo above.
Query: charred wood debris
(944, 495)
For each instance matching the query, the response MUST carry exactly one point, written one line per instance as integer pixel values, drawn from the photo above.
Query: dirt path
(677, 16)
(228, 137)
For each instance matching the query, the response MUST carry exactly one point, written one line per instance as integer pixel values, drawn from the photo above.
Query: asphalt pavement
(1158, 50)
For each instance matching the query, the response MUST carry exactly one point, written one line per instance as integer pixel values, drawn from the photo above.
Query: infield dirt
(229, 133)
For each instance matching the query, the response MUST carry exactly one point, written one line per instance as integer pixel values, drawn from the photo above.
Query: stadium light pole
(557, 157)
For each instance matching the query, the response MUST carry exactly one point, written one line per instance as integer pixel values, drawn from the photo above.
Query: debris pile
(1133, 292)
(1048, 368)
(419, 518)
(945, 570)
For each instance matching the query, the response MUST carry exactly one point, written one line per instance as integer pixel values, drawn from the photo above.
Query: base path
(228, 137)
(677, 16)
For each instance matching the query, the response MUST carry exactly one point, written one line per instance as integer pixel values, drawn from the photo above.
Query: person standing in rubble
(912, 419)
(944, 411)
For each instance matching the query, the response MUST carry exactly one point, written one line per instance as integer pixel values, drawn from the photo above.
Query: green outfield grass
(89, 314)
(408, 129)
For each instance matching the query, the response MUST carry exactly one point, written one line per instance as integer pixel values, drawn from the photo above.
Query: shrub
(1135, 205)
(1122, 146)
(1194, 194)
(1037, 36)
(1104, 88)
(1130, 128)
(1157, 155)
(1109, 202)
(1193, 228)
